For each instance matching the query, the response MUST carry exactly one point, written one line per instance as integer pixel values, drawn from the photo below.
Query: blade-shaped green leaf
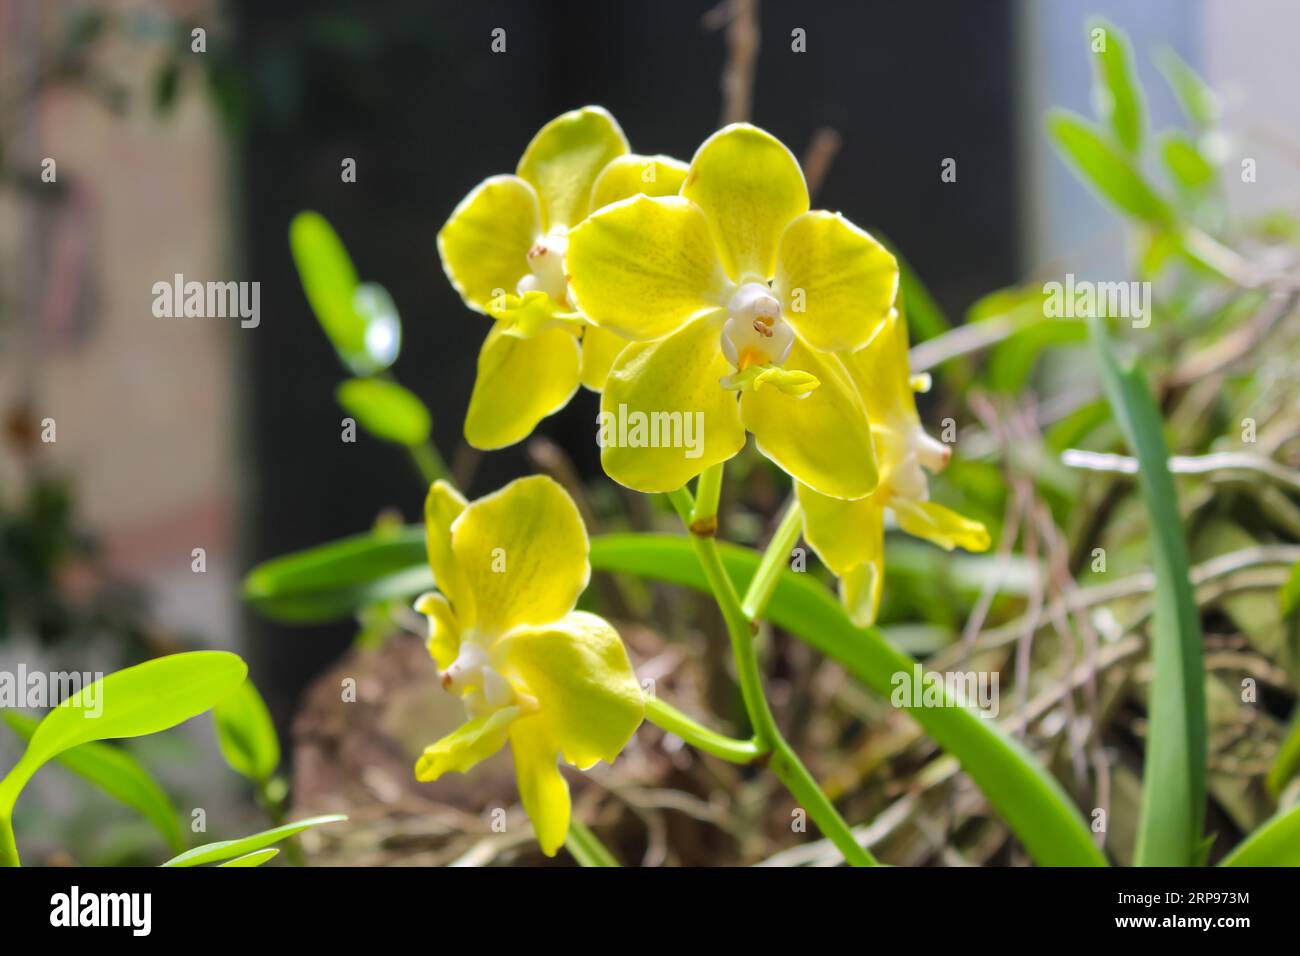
(1116, 88)
(1029, 799)
(1189, 169)
(118, 774)
(1100, 165)
(246, 734)
(229, 849)
(1196, 98)
(256, 858)
(1171, 830)
(1287, 762)
(1275, 843)
(386, 410)
(139, 700)
(337, 579)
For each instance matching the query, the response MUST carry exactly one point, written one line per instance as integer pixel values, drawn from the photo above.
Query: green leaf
(256, 858)
(1172, 824)
(246, 734)
(586, 848)
(118, 774)
(1110, 173)
(1275, 843)
(335, 580)
(1189, 169)
(1288, 759)
(229, 849)
(1116, 89)
(1196, 98)
(386, 410)
(1030, 800)
(1290, 593)
(139, 700)
(359, 320)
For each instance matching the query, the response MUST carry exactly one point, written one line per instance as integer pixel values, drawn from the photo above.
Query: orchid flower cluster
(709, 289)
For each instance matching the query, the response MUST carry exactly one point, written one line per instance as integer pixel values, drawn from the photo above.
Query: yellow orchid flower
(849, 535)
(533, 672)
(503, 248)
(725, 289)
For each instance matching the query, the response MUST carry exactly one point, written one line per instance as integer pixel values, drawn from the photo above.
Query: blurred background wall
(182, 434)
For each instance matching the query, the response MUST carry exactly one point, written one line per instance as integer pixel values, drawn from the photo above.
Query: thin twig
(823, 149)
(741, 19)
(1189, 465)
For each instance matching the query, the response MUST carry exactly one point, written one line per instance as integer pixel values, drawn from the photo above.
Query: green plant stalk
(429, 463)
(708, 491)
(774, 561)
(741, 629)
(669, 718)
(586, 846)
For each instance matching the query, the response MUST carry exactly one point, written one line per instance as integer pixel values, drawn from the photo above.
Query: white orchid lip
(755, 333)
(547, 269)
(931, 453)
(923, 454)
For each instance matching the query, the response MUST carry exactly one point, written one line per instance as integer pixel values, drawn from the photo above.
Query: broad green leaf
(229, 849)
(1028, 798)
(1116, 89)
(118, 774)
(359, 320)
(1197, 100)
(246, 735)
(1190, 170)
(1275, 843)
(139, 700)
(335, 580)
(1110, 173)
(386, 410)
(256, 858)
(1171, 830)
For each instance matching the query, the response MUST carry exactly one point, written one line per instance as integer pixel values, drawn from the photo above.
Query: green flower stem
(704, 519)
(683, 504)
(700, 737)
(586, 846)
(741, 629)
(774, 561)
(429, 462)
(791, 771)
